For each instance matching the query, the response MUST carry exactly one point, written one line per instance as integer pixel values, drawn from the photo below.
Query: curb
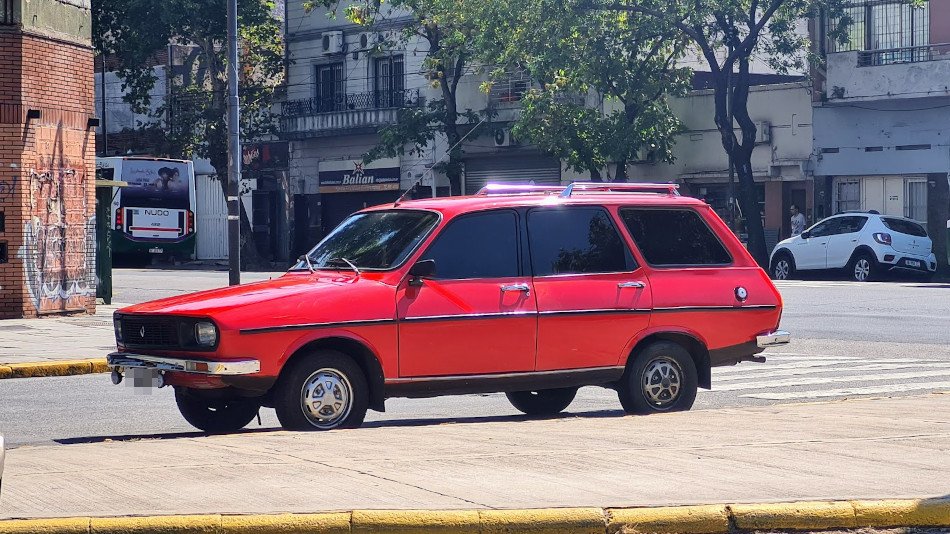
(53, 368)
(707, 519)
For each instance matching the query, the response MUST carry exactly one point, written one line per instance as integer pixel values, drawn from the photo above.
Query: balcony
(352, 113)
(896, 73)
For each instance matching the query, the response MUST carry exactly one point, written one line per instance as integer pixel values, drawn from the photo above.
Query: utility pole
(234, 152)
(732, 173)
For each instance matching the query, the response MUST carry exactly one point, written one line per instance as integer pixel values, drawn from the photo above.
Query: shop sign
(357, 177)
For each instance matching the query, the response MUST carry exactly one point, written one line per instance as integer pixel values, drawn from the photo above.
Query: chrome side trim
(310, 326)
(595, 311)
(464, 316)
(773, 339)
(202, 367)
(500, 376)
(714, 308)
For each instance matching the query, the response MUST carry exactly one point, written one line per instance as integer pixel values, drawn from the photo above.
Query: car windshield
(373, 240)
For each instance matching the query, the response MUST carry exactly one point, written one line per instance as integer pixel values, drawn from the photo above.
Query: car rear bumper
(125, 360)
(773, 339)
(893, 260)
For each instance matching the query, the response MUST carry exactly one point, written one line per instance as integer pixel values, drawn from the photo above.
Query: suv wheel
(215, 415)
(662, 378)
(862, 268)
(783, 267)
(543, 402)
(323, 391)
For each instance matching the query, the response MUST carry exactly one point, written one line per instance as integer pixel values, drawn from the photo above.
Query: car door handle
(637, 284)
(517, 287)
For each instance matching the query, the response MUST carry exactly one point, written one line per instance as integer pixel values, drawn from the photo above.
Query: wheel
(544, 402)
(322, 391)
(662, 378)
(862, 268)
(215, 415)
(783, 267)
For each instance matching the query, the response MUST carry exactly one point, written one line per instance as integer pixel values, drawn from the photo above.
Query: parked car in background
(533, 291)
(862, 244)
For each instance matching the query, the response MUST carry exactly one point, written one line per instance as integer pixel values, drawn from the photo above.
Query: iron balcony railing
(309, 107)
(909, 54)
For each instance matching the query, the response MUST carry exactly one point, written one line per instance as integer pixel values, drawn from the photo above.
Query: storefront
(265, 166)
(347, 186)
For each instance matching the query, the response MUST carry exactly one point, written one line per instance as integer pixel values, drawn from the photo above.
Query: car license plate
(912, 263)
(156, 250)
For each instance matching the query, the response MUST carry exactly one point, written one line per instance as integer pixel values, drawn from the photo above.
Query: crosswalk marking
(813, 381)
(846, 392)
(798, 371)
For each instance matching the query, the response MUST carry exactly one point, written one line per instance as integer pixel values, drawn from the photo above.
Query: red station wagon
(528, 290)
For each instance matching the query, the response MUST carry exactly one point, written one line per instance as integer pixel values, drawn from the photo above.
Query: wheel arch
(696, 348)
(360, 353)
(783, 251)
(862, 249)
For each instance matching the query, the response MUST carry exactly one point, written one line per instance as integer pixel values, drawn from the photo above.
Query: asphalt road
(850, 340)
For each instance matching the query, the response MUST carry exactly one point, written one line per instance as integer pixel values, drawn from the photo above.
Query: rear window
(674, 237)
(904, 227)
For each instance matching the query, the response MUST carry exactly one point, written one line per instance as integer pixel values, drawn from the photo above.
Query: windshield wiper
(348, 262)
(306, 258)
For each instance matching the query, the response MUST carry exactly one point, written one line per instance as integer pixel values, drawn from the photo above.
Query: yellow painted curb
(903, 513)
(73, 525)
(793, 516)
(54, 368)
(170, 524)
(711, 519)
(543, 521)
(328, 523)
(427, 521)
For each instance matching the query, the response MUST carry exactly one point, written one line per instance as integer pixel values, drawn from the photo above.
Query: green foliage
(602, 78)
(136, 31)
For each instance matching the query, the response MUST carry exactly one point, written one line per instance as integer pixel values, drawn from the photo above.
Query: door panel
(459, 327)
(844, 241)
(811, 253)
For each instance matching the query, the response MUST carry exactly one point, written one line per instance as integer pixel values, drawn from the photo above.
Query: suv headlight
(206, 334)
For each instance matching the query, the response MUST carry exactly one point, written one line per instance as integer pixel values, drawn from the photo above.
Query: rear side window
(851, 224)
(576, 241)
(674, 237)
(904, 227)
(481, 245)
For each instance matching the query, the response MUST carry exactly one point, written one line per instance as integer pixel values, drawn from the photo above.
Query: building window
(389, 82)
(330, 95)
(510, 89)
(915, 199)
(896, 31)
(847, 196)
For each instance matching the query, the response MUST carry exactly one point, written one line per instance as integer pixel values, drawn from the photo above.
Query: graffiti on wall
(59, 234)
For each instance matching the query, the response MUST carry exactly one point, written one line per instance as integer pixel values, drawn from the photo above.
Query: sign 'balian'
(359, 178)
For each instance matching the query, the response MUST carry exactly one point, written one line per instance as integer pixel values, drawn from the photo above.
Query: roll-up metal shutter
(520, 169)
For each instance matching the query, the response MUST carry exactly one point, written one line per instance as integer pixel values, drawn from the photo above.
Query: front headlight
(117, 325)
(206, 334)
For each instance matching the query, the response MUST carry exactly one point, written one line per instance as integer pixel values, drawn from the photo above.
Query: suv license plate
(912, 263)
(157, 250)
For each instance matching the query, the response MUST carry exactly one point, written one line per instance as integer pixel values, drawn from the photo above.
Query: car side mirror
(806, 234)
(420, 270)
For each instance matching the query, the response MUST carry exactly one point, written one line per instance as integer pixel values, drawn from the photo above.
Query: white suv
(864, 244)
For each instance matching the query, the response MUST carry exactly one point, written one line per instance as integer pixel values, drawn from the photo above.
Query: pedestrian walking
(798, 220)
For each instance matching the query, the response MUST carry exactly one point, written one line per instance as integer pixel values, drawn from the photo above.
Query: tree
(938, 212)
(629, 63)
(193, 116)
(447, 34)
(728, 33)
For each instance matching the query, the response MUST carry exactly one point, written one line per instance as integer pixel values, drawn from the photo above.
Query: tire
(862, 268)
(215, 415)
(325, 375)
(647, 386)
(543, 402)
(783, 267)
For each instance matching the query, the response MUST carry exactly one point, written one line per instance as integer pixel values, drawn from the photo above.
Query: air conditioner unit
(763, 132)
(370, 40)
(332, 43)
(502, 137)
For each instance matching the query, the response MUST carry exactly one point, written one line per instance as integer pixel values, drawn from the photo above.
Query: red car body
(416, 337)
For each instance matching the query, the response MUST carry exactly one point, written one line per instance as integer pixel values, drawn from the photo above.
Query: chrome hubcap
(662, 382)
(781, 270)
(326, 398)
(862, 269)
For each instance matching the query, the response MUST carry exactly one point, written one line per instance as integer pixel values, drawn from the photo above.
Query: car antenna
(447, 152)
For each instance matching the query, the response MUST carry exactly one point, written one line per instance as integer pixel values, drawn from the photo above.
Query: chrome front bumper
(773, 339)
(125, 360)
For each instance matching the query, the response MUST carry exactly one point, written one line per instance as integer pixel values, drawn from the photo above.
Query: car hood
(292, 297)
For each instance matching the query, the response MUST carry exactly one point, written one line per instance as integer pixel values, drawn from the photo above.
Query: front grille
(150, 332)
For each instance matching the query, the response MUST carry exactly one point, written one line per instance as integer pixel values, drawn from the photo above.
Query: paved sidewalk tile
(55, 338)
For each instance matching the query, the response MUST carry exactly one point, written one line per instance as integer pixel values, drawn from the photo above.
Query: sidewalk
(860, 449)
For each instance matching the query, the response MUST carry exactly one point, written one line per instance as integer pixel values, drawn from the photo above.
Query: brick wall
(47, 176)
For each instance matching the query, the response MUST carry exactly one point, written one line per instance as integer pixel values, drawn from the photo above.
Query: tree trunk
(938, 212)
(749, 202)
(621, 171)
(595, 175)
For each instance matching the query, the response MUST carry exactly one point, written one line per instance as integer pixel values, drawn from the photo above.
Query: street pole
(732, 174)
(234, 152)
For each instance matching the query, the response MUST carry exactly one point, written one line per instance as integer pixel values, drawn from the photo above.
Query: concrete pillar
(47, 158)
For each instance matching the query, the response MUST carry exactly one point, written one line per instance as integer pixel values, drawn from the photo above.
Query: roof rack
(669, 189)
(517, 189)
